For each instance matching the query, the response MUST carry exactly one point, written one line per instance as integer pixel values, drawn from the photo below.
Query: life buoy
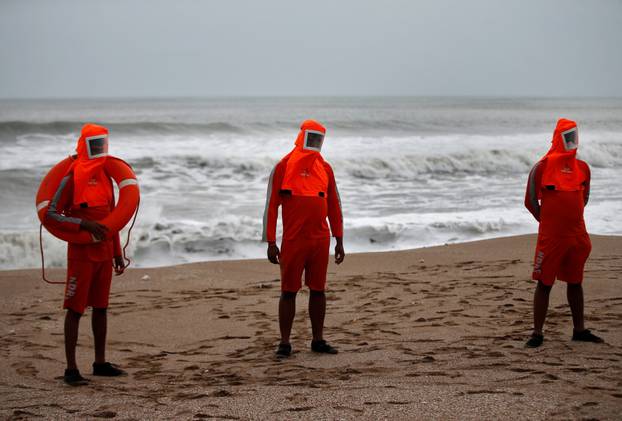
(129, 196)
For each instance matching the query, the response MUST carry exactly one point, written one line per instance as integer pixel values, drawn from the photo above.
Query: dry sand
(434, 333)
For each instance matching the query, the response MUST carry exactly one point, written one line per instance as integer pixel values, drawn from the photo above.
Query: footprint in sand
(25, 368)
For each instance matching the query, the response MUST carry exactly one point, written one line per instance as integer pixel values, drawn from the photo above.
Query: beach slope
(436, 333)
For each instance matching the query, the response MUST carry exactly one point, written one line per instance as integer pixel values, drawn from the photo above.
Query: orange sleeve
(335, 215)
(273, 201)
(531, 194)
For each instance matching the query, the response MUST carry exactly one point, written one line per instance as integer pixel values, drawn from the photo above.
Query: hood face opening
(313, 140)
(571, 139)
(97, 146)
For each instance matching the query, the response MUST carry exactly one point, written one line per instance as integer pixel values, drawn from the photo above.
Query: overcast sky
(286, 47)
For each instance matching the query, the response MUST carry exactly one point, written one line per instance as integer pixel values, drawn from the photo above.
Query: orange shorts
(562, 258)
(308, 255)
(88, 284)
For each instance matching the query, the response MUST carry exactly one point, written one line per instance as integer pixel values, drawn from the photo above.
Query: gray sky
(286, 47)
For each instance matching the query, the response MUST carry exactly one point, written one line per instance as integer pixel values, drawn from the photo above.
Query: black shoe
(322, 347)
(535, 341)
(284, 350)
(107, 370)
(73, 378)
(586, 336)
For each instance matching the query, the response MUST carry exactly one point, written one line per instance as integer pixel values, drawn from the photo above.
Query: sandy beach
(432, 333)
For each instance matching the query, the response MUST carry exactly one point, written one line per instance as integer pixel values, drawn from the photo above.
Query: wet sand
(433, 333)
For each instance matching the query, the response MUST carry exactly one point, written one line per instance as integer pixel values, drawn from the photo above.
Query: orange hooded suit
(557, 192)
(86, 192)
(304, 184)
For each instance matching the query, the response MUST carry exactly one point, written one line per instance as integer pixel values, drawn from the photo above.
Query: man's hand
(98, 230)
(339, 253)
(119, 265)
(273, 253)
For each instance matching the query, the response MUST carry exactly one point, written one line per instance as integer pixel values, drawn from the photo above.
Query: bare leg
(287, 311)
(540, 307)
(99, 323)
(72, 323)
(574, 292)
(317, 311)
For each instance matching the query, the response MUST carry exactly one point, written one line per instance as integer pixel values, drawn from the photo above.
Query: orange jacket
(561, 169)
(91, 185)
(304, 184)
(63, 214)
(304, 172)
(558, 189)
(86, 192)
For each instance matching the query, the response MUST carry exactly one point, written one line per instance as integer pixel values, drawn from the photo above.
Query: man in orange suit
(557, 192)
(85, 196)
(304, 185)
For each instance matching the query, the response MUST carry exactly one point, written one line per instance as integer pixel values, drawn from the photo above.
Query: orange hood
(305, 174)
(91, 184)
(561, 169)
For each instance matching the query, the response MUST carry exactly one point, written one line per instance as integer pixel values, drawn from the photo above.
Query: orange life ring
(129, 196)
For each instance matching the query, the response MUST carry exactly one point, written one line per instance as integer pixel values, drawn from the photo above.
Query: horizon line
(190, 97)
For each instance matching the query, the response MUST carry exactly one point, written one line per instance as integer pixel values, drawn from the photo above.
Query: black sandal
(323, 347)
(535, 341)
(73, 378)
(586, 336)
(107, 370)
(284, 350)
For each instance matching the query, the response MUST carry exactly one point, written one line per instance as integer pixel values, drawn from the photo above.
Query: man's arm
(54, 216)
(531, 194)
(586, 191)
(117, 252)
(273, 201)
(271, 212)
(335, 215)
(116, 245)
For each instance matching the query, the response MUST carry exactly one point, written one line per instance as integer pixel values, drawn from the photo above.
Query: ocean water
(412, 172)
